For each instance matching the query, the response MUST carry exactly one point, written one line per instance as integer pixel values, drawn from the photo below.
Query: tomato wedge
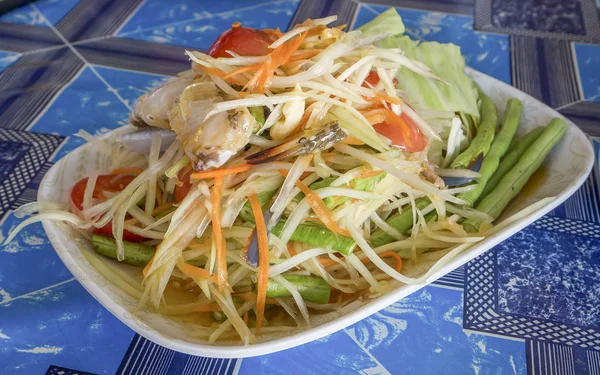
(402, 131)
(373, 79)
(244, 41)
(183, 176)
(104, 183)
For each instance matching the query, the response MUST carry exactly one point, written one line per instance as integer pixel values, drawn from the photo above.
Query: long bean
(512, 183)
(311, 288)
(508, 128)
(511, 158)
(136, 254)
(319, 236)
(401, 222)
(485, 135)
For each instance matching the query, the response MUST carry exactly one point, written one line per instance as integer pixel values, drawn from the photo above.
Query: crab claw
(326, 137)
(458, 181)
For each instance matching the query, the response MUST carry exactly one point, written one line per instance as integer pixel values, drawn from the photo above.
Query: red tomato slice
(403, 133)
(373, 79)
(184, 177)
(104, 183)
(244, 41)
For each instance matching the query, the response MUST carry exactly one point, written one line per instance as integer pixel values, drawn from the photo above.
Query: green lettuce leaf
(388, 22)
(457, 94)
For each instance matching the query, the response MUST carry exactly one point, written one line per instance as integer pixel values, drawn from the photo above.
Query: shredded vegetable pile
(286, 175)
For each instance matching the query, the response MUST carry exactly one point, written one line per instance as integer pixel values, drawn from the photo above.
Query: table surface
(530, 305)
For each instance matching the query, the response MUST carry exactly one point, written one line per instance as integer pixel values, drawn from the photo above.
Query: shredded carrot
(243, 69)
(393, 119)
(194, 272)
(127, 170)
(292, 250)
(312, 220)
(249, 296)
(319, 207)
(304, 56)
(274, 60)
(387, 98)
(207, 307)
(375, 119)
(215, 197)
(132, 221)
(220, 172)
(369, 174)
(263, 259)
(246, 318)
(352, 141)
(220, 73)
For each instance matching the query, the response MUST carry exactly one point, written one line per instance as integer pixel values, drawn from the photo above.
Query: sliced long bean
(401, 222)
(136, 254)
(511, 158)
(512, 183)
(502, 140)
(311, 288)
(485, 134)
(362, 184)
(319, 236)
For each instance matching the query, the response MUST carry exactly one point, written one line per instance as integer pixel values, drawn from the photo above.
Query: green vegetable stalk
(511, 184)
(362, 184)
(491, 161)
(401, 222)
(311, 288)
(319, 236)
(485, 135)
(136, 254)
(511, 158)
(259, 115)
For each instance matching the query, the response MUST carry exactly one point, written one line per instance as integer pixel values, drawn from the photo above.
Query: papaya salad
(286, 175)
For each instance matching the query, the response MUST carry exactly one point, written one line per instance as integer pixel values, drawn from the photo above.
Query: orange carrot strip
(215, 198)
(263, 259)
(292, 251)
(327, 262)
(127, 170)
(246, 318)
(388, 98)
(162, 208)
(222, 172)
(194, 272)
(220, 73)
(243, 69)
(396, 120)
(275, 32)
(208, 307)
(303, 56)
(320, 209)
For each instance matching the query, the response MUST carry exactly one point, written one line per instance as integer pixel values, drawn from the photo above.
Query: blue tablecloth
(530, 305)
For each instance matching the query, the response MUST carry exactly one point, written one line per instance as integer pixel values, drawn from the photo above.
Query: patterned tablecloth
(530, 305)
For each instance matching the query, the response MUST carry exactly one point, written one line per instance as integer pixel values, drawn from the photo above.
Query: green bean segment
(311, 288)
(511, 158)
(136, 254)
(319, 236)
(508, 128)
(485, 134)
(400, 221)
(512, 183)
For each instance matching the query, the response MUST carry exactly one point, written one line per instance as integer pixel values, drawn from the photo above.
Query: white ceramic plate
(567, 168)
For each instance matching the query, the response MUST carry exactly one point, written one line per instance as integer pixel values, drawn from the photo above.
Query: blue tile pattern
(52, 10)
(558, 16)
(7, 59)
(588, 60)
(526, 285)
(200, 33)
(528, 306)
(485, 52)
